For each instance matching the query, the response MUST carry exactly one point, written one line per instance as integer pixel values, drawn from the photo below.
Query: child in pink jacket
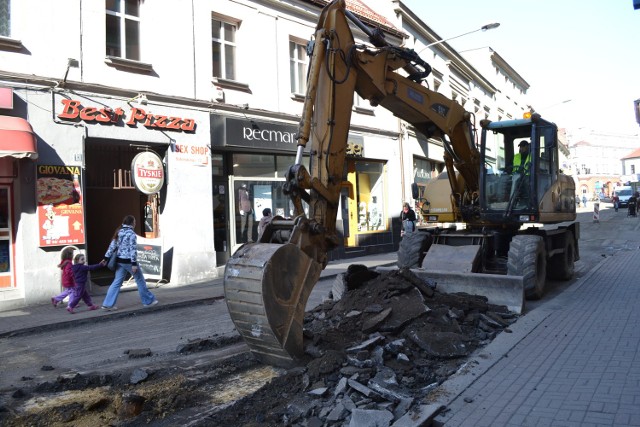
(67, 276)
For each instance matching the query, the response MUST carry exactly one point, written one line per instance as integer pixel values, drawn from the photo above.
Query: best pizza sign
(59, 205)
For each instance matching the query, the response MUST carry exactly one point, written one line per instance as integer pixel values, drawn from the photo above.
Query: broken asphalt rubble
(374, 353)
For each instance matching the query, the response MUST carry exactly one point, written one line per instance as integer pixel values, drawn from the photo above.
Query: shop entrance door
(6, 239)
(220, 228)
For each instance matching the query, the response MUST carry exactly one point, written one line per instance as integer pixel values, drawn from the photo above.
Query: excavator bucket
(266, 288)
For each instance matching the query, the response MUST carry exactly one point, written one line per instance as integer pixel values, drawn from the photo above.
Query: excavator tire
(561, 266)
(266, 287)
(412, 249)
(527, 258)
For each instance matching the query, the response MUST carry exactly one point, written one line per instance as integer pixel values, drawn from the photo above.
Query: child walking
(81, 275)
(67, 276)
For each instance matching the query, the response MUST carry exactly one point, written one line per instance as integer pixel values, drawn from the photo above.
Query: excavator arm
(267, 284)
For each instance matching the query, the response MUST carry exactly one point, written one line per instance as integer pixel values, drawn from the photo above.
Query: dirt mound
(376, 352)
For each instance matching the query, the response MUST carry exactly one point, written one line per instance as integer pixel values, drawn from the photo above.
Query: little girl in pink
(67, 276)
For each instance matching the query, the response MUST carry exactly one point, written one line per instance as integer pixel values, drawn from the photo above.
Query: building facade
(191, 130)
(597, 160)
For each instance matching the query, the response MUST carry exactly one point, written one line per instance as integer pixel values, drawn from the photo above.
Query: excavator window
(507, 185)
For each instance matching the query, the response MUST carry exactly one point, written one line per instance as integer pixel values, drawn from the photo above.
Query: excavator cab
(520, 159)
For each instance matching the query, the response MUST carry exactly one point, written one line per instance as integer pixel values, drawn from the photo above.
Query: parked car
(605, 199)
(624, 193)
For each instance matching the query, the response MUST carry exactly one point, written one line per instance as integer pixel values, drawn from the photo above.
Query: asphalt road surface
(101, 346)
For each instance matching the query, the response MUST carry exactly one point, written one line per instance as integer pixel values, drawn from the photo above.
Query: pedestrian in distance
(408, 217)
(577, 201)
(81, 276)
(266, 218)
(616, 201)
(66, 277)
(125, 242)
(584, 200)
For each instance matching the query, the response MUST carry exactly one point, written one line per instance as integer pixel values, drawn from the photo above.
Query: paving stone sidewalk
(576, 364)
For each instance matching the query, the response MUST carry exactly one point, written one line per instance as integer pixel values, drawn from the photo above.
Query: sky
(584, 51)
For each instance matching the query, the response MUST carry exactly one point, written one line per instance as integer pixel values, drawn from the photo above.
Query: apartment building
(180, 113)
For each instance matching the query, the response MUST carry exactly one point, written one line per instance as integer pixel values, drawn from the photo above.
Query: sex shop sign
(59, 205)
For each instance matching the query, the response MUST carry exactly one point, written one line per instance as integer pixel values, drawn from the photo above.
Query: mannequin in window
(246, 213)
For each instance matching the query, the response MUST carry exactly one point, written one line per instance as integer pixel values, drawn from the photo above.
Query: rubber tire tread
(527, 258)
(561, 266)
(411, 249)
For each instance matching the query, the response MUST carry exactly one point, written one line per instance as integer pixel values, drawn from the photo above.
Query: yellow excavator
(267, 283)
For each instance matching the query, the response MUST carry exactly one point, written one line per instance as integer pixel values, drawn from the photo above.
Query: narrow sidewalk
(44, 316)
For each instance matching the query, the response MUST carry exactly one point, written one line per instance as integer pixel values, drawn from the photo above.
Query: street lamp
(483, 28)
(548, 107)
(557, 103)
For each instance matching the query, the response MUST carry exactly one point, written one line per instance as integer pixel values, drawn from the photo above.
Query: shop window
(283, 163)
(370, 187)
(254, 165)
(223, 39)
(6, 268)
(123, 29)
(264, 165)
(217, 165)
(298, 61)
(423, 170)
(251, 198)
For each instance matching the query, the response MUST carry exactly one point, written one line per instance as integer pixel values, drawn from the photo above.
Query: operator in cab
(521, 168)
(522, 159)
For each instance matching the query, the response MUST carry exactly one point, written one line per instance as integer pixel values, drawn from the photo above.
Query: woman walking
(124, 242)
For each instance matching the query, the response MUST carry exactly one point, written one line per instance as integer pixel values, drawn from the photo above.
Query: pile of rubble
(373, 356)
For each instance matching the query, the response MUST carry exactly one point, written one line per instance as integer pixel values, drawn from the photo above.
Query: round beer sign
(147, 172)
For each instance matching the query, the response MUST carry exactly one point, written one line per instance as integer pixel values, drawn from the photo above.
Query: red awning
(17, 138)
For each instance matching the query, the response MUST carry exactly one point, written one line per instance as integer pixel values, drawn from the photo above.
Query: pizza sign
(60, 207)
(147, 172)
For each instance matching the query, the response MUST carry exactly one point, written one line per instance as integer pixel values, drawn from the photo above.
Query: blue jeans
(114, 290)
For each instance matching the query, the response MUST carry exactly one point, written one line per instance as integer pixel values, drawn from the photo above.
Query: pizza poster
(60, 208)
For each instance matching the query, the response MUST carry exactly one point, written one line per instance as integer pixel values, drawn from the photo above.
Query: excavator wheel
(266, 287)
(412, 249)
(561, 266)
(527, 258)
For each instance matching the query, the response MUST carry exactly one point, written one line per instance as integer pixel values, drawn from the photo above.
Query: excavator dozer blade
(499, 289)
(266, 287)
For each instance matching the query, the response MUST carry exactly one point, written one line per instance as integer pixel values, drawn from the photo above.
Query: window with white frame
(223, 39)
(298, 61)
(123, 29)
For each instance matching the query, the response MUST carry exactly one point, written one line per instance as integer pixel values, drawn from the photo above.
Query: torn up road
(372, 357)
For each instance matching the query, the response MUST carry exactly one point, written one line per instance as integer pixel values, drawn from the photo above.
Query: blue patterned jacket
(126, 245)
